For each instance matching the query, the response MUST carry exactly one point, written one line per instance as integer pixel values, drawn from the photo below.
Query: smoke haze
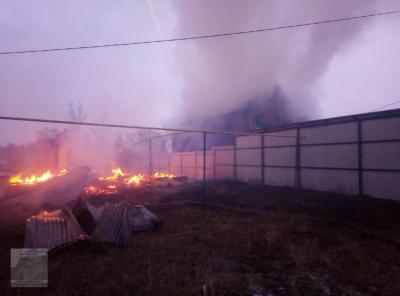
(220, 74)
(171, 83)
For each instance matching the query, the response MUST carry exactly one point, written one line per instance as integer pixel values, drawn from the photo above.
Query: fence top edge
(85, 123)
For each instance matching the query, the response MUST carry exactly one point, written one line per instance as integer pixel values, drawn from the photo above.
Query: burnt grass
(247, 240)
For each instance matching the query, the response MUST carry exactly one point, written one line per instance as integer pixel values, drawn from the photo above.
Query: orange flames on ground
(121, 180)
(163, 175)
(119, 176)
(111, 184)
(116, 174)
(96, 190)
(34, 179)
(104, 185)
(135, 179)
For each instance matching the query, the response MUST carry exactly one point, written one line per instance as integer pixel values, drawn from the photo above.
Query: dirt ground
(247, 240)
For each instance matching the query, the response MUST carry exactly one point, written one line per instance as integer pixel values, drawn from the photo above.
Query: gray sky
(326, 70)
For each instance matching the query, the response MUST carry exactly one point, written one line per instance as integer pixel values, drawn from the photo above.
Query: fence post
(297, 179)
(150, 160)
(195, 164)
(234, 160)
(360, 159)
(181, 158)
(169, 163)
(262, 161)
(214, 163)
(204, 167)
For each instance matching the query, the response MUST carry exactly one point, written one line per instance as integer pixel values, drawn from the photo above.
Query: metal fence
(154, 149)
(353, 154)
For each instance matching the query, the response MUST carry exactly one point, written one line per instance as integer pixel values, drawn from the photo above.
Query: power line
(385, 106)
(201, 36)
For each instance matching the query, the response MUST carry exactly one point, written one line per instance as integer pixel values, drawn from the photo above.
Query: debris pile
(110, 223)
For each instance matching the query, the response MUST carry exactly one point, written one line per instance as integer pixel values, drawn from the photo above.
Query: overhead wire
(42, 50)
(385, 106)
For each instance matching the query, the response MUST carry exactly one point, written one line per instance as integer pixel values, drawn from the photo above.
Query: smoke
(168, 83)
(134, 85)
(222, 74)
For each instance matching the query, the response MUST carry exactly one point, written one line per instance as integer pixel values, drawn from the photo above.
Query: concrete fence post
(360, 158)
(204, 166)
(262, 161)
(150, 160)
(169, 163)
(297, 178)
(234, 159)
(195, 165)
(181, 158)
(214, 163)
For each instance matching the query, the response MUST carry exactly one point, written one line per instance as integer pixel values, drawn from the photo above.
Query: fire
(113, 183)
(93, 190)
(120, 180)
(63, 172)
(135, 179)
(116, 174)
(33, 179)
(163, 175)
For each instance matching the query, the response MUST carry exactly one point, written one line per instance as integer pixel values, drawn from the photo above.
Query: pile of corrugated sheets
(113, 224)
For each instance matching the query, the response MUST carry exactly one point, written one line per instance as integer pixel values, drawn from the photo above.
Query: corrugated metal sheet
(51, 229)
(142, 218)
(115, 225)
(118, 221)
(84, 217)
(96, 212)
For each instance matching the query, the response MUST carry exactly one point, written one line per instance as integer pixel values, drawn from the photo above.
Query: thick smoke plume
(225, 73)
(244, 82)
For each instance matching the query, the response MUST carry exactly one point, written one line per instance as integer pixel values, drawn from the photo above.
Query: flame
(97, 190)
(116, 174)
(120, 180)
(163, 175)
(63, 172)
(111, 184)
(93, 190)
(33, 179)
(135, 179)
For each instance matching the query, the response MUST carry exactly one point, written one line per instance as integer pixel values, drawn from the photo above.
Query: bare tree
(53, 137)
(75, 112)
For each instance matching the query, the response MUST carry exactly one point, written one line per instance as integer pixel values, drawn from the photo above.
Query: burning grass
(120, 180)
(249, 240)
(98, 183)
(32, 179)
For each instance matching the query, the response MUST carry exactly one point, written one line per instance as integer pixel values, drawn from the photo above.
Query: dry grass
(299, 244)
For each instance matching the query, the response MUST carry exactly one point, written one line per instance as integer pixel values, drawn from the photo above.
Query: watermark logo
(29, 268)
